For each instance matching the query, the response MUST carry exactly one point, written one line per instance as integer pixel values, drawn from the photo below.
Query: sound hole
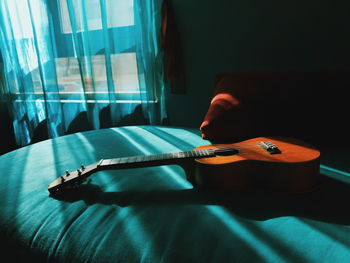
(226, 151)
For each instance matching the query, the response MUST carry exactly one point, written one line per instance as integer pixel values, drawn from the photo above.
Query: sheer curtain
(69, 58)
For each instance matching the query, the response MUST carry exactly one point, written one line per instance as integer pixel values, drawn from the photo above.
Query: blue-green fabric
(39, 56)
(153, 214)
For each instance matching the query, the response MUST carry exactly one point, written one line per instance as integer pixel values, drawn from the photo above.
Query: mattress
(154, 214)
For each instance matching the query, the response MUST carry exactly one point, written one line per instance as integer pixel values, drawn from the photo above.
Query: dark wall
(251, 35)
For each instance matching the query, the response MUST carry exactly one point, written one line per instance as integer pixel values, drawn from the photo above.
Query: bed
(154, 214)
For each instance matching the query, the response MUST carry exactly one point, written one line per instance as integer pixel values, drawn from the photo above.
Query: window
(72, 87)
(124, 65)
(70, 82)
(61, 54)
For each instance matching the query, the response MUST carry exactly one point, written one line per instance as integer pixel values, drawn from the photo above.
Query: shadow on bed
(326, 203)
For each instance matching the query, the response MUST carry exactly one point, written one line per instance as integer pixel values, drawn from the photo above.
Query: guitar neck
(153, 160)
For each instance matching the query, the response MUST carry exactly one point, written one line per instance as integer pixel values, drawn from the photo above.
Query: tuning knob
(82, 167)
(67, 173)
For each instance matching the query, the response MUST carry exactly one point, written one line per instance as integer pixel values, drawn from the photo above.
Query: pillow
(251, 104)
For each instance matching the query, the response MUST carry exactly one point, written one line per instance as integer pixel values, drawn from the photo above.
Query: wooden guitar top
(291, 151)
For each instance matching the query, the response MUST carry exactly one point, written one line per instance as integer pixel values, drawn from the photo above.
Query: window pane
(120, 13)
(124, 70)
(21, 23)
(64, 15)
(125, 74)
(93, 15)
(68, 75)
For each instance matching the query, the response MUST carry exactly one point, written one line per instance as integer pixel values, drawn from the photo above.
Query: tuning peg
(79, 172)
(67, 173)
(82, 167)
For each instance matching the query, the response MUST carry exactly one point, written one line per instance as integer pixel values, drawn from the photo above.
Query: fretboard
(149, 159)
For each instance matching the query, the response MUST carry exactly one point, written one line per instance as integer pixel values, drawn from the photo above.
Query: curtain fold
(93, 60)
(148, 18)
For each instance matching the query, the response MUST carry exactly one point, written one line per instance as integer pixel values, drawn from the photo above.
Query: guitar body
(292, 167)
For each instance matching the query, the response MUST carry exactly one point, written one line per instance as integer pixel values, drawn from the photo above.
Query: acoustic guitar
(276, 163)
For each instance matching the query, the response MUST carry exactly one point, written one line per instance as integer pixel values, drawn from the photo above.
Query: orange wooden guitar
(275, 163)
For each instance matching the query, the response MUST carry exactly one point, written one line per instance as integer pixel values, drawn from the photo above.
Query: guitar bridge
(269, 147)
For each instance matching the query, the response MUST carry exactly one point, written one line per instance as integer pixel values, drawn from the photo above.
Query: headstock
(73, 179)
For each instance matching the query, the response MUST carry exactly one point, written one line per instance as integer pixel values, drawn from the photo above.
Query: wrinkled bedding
(154, 214)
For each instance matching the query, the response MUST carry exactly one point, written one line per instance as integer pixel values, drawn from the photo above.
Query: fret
(123, 160)
(102, 162)
(107, 162)
(189, 154)
(200, 153)
(204, 153)
(156, 157)
(166, 156)
(160, 156)
(182, 155)
(150, 158)
(131, 159)
(153, 157)
(115, 161)
(145, 158)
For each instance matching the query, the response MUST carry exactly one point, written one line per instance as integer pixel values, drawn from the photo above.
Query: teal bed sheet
(154, 214)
